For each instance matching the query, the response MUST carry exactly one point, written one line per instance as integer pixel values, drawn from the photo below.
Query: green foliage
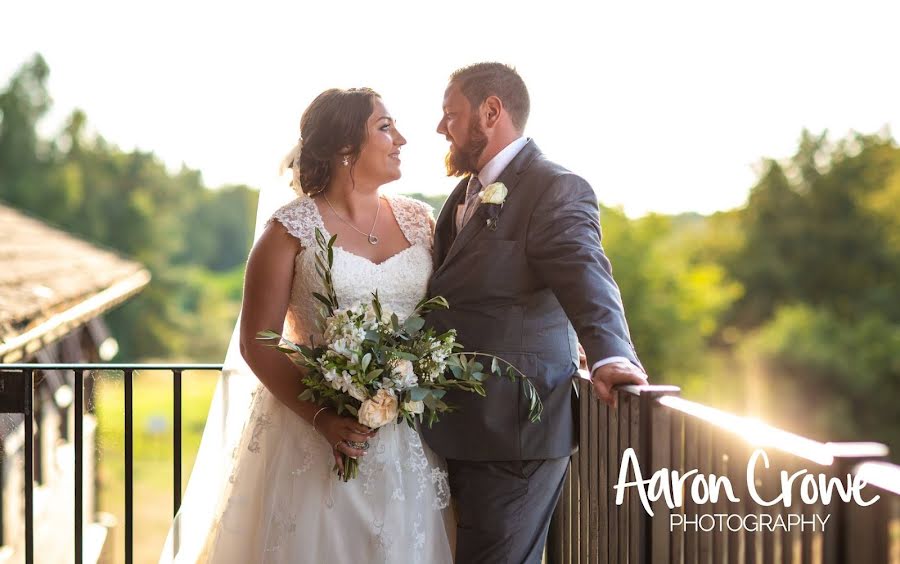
(193, 240)
(672, 295)
(820, 230)
(853, 367)
(434, 200)
(820, 263)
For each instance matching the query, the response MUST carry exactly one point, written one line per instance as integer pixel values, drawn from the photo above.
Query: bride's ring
(358, 446)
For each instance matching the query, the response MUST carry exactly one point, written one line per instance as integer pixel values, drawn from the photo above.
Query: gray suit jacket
(523, 292)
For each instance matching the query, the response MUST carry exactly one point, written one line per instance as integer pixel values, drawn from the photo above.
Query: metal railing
(16, 396)
(664, 431)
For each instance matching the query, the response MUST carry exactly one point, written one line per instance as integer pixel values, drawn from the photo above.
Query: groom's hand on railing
(615, 374)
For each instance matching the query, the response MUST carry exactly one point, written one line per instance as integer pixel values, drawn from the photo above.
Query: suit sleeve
(564, 250)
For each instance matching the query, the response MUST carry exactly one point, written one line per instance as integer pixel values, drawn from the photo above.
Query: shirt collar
(491, 171)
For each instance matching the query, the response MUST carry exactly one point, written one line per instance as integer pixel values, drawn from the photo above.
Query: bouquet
(381, 369)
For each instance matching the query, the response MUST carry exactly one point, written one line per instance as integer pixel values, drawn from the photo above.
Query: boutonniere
(492, 198)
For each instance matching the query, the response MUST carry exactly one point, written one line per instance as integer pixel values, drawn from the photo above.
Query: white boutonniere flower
(492, 198)
(494, 193)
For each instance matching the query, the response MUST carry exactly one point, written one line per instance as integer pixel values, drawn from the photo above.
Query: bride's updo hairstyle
(331, 128)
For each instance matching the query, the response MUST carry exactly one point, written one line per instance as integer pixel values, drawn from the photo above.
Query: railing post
(28, 404)
(129, 466)
(176, 456)
(649, 447)
(17, 396)
(837, 537)
(78, 415)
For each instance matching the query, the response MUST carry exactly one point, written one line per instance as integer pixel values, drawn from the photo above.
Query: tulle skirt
(283, 502)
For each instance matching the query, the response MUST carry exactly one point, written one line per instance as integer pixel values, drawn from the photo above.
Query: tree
(22, 105)
(821, 265)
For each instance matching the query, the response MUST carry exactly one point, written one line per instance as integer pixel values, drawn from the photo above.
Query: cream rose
(414, 407)
(494, 193)
(404, 373)
(378, 411)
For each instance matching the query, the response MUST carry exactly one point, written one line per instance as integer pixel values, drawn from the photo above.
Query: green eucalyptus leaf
(395, 323)
(323, 299)
(376, 305)
(413, 323)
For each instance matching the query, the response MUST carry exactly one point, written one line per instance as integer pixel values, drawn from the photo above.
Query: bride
(263, 489)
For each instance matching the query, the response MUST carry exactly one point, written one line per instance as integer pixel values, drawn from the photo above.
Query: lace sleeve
(300, 217)
(415, 218)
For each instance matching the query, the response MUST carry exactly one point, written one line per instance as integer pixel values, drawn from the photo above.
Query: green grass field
(152, 420)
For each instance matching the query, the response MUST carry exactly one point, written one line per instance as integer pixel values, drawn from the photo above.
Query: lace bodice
(401, 280)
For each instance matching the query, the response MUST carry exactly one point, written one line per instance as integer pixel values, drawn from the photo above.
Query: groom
(526, 277)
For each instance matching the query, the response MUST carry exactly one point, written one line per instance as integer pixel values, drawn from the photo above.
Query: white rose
(414, 407)
(378, 411)
(404, 373)
(494, 193)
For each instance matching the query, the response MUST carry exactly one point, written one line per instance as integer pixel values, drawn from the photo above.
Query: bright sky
(663, 106)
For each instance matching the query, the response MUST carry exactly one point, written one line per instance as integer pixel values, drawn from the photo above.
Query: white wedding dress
(282, 501)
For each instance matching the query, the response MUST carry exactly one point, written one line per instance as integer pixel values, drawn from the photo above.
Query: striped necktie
(472, 192)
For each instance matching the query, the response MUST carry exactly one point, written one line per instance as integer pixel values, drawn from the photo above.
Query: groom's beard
(464, 160)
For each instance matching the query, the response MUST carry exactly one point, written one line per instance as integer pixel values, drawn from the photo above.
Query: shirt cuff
(609, 360)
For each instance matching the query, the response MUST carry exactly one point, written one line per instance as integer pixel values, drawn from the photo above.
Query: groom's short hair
(481, 80)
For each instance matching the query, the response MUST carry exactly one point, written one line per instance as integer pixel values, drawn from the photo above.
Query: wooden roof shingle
(45, 272)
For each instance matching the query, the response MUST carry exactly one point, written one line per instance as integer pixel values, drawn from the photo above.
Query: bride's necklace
(370, 236)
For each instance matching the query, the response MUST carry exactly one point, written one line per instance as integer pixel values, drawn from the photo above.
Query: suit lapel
(510, 177)
(445, 227)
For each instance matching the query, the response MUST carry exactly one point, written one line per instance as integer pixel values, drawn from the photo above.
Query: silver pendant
(373, 239)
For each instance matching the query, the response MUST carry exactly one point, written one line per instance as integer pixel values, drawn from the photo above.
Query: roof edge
(64, 322)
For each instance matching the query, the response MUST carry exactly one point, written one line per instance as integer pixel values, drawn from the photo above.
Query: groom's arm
(564, 249)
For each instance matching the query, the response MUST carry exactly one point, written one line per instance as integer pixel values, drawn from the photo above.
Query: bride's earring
(346, 160)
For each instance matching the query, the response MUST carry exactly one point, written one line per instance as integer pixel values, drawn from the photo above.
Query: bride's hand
(337, 429)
